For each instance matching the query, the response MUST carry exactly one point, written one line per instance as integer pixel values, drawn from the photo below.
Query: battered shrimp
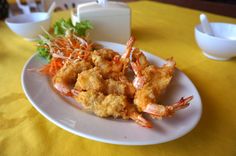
(106, 54)
(90, 80)
(106, 97)
(65, 78)
(119, 88)
(110, 106)
(113, 65)
(151, 82)
(98, 80)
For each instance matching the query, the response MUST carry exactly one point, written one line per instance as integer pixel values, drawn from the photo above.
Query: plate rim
(110, 141)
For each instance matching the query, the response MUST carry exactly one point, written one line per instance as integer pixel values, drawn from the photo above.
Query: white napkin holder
(111, 20)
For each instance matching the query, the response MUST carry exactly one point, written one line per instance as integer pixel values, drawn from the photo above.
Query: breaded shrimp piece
(110, 106)
(151, 82)
(114, 87)
(66, 77)
(107, 54)
(113, 65)
(104, 65)
(119, 88)
(89, 98)
(101, 105)
(89, 80)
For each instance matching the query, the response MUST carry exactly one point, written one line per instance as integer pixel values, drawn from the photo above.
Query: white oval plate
(65, 112)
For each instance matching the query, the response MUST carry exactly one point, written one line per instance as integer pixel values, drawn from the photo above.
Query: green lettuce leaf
(62, 26)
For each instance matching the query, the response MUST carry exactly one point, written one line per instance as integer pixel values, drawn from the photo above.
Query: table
(161, 29)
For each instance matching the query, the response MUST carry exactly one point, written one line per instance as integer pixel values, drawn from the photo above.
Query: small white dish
(30, 25)
(221, 46)
(65, 112)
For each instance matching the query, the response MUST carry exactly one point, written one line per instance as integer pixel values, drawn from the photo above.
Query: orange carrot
(52, 68)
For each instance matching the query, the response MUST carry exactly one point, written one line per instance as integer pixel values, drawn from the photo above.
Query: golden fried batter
(65, 78)
(100, 83)
(151, 82)
(103, 106)
(89, 80)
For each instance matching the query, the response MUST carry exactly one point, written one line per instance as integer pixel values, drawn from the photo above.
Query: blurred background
(14, 7)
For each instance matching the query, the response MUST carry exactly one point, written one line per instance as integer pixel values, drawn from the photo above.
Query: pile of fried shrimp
(97, 78)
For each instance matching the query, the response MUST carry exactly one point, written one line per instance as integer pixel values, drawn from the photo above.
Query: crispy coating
(144, 96)
(90, 80)
(68, 73)
(114, 87)
(119, 88)
(112, 105)
(107, 54)
(100, 83)
(108, 62)
(103, 64)
(151, 81)
(65, 78)
(103, 106)
(97, 79)
(89, 98)
(157, 80)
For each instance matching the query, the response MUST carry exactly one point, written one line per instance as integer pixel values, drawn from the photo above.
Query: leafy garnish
(82, 27)
(62, 27)
(43, 49)
(44, 53)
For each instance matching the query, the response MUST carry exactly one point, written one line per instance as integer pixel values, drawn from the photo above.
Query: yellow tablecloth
(161, 29)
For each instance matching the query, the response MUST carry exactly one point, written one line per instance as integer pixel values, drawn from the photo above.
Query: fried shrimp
(89, 80)
(151, 82)
(100, 80)
(113, 65)
(65, 78)
(119, 88)
(110, 106)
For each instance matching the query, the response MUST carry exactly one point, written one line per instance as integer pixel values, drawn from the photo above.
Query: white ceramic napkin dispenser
(111, 20)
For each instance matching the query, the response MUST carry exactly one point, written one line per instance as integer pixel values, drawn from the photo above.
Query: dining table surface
(161, 29)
